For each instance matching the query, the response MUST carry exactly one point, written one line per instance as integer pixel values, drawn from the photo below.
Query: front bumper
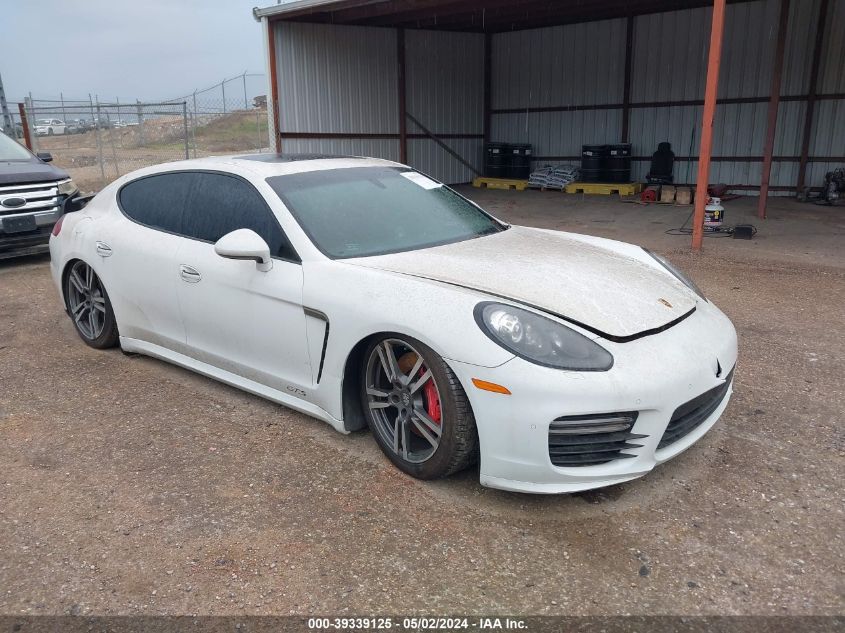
(653, 375)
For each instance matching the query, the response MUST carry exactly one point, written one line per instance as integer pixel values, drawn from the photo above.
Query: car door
(238, 318)
(138, 253)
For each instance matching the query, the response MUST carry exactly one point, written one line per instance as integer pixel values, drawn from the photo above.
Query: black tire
(458, 441)
(100, 333)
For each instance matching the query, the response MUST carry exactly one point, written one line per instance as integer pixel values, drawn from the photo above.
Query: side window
(158, 201)
(220, 204)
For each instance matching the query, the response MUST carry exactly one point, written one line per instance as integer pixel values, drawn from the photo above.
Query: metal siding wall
(798, 54)
(831, 75)
(577, 64)
(444, 83)
(558, 133)
(828, 137)
(669, 63)
(336, 79)
(431, 159)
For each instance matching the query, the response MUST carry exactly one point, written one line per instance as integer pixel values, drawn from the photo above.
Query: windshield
(362, 211)
(12, 150)
(43, 122)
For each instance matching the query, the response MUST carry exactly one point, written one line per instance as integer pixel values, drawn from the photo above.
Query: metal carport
(426, 82)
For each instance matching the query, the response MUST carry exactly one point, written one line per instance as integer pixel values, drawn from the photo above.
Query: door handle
(189, 274)
(103, 249)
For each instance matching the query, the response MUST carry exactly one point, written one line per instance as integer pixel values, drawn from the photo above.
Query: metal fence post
(246, 106)
(100, 145)
(140, 113)
(8, 121)
(32, 122)
(223, 89)
(30, 115)
(64, 119)
(185, 122)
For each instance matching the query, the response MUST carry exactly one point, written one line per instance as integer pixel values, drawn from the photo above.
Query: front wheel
(89, 307)
(416, 408)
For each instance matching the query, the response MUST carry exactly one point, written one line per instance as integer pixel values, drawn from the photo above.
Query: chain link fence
(97, 142)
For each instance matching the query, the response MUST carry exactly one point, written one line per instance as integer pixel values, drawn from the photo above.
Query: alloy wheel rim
(86, 300)
(399, 403)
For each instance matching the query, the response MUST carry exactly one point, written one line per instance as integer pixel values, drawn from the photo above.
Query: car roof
(268, 164)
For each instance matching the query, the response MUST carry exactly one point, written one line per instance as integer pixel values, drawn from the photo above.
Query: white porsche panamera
(364, 293)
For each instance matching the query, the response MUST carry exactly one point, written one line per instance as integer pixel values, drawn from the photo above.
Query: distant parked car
(78, 126)
(49, 127)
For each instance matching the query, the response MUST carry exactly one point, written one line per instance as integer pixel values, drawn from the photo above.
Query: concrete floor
(129, 486)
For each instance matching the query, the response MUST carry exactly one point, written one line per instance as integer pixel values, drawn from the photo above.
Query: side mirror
(47, 157)
(245, 244)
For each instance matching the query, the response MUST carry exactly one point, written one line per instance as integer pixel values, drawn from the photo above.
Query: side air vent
(589, 440)
(690, 415)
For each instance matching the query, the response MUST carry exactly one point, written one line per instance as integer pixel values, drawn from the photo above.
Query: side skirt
(131, 345)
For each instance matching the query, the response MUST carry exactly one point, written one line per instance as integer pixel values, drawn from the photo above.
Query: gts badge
(296, 391)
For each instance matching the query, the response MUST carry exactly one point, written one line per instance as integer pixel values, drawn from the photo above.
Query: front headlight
(67, 187)
(675, 272)
(540, 340)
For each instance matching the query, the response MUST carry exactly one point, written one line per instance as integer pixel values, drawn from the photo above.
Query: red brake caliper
(431, 398)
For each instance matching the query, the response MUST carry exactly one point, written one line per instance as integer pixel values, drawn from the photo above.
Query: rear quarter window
(157, 201)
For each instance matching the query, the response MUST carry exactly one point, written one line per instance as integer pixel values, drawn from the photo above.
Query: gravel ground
(128, 486)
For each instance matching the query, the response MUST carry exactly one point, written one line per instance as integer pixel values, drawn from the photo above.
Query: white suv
(48, 127)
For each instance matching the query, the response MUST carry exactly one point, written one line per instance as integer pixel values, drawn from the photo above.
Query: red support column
(774, 102)
(710, 90)
(25, 126)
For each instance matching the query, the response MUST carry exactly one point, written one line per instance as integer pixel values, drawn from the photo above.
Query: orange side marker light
(490, 386)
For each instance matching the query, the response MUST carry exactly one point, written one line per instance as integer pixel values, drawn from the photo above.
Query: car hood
(21, 172)
(609, 293)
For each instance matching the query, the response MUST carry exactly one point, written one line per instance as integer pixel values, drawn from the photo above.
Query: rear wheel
(417, 409)
(89, 307)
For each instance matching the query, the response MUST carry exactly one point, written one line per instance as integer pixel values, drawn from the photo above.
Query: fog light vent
(589, 440)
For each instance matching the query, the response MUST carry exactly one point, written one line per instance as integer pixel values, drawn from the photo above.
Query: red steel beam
(812, 96)
(714, 57)
(403, 118)
(774, 102)
(274, 86)
(25, 126)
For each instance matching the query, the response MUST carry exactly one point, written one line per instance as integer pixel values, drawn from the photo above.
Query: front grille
(39, 198)
(690, 415)
(589, 440)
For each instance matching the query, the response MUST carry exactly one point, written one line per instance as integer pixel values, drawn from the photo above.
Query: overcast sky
(145, 49)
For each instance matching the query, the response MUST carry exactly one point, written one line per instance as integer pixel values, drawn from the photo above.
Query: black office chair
(662, 166)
